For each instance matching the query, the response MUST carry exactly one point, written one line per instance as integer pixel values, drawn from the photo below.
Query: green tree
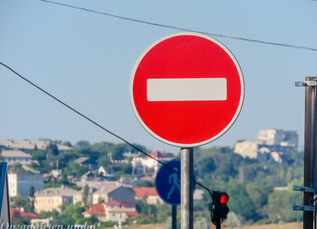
(207, 165)
(145, 183)
(67, 143)
(18, 201)
(72, 214)
(150, 211)
(31, 198)
(279, 208)
(18, 220)
(52, 149)
(103, 160)
(75, 170)
(258, 193)
(82, 144)
(118, 150)
(16, 168)
(86, 196)
(122, 169)
(82, 147)
(240, 201)
(163, 212)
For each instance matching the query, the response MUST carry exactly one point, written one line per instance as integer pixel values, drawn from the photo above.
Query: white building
(113, 192)
(148, 166)
(114, 211)
(278, 137)
(271, 144)
(16, 156)
(30, 145)
(53, 198)
(246, 149)
(20, 184)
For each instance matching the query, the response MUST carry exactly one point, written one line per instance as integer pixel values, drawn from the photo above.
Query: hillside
(260, 192)
(266, 226)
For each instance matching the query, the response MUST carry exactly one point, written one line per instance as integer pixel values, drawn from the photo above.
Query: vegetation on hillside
(250, 184)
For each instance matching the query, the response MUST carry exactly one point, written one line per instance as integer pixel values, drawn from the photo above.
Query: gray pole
(187, 181)
(174, 216)
(309, 149)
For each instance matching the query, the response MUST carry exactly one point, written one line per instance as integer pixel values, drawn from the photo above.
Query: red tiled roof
(118, 203)
(131, 213)
(23, 213)
(96, 209)
(99, 209)
(158, 154)
(145, 192)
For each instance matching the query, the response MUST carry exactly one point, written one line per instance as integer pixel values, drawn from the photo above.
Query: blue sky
(86, 59)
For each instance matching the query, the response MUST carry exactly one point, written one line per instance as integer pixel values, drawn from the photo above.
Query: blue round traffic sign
(168, 183)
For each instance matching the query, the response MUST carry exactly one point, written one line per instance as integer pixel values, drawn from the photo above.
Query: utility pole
(309, 148)
(310, 153)
(187, 182)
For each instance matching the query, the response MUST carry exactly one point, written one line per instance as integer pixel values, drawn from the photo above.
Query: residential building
(95, 177)
(147, 166)
(89, 176)
(107, 193)
(53, 198)
(246, 149)
(97, 210)
(86, 161)
(56, 173)
(278, 137)
(113, 211)
(148, 194)
(98, 184)
(106, 172)
(30, 145)
(41, 222)
(20, 184)
(16, 156)
(271, 144)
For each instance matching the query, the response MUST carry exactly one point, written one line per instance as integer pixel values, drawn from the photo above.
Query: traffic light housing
(219, 208)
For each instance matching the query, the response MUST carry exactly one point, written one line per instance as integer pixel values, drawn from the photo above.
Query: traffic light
(219, 208)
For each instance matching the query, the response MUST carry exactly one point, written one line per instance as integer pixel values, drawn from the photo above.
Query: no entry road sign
(186, 89)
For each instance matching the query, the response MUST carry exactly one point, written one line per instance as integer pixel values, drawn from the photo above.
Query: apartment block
(271, 144)
(53, 198)
(20, 184)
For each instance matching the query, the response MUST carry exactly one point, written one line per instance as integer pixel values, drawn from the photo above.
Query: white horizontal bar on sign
(187, 89)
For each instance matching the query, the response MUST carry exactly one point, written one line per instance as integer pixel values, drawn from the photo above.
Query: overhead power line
(97, 124)
(180, 28)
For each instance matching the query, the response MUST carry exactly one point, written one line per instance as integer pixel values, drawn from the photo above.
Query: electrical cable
(181, 28)
(98, 125)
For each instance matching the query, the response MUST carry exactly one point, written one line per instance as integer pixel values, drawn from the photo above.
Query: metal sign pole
(309, 148)
(5, 216)
(187, 181)
(218, 224)
(174, 216)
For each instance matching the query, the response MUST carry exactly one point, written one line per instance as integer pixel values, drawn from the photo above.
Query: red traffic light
(224, 198)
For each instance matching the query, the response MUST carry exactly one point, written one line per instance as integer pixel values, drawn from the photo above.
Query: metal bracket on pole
(304, 189)
(307, 83)
(304, 208)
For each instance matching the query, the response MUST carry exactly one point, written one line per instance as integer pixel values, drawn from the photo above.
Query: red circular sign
(186, 89)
